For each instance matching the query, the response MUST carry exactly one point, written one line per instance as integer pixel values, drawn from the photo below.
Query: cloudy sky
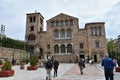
(13, 14)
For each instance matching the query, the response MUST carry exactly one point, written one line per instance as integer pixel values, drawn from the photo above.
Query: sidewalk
(89, 73)
(66, 71)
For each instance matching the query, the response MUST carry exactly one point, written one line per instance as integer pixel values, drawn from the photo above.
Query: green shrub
(7, 66)
(33, 60)
(1, 62)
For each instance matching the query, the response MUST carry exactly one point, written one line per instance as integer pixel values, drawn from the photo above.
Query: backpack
(48, 64)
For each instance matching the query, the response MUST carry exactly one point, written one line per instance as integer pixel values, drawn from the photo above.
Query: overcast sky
(13, 14)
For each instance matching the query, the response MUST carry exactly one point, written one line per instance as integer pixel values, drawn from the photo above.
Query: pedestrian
(115, 61)
(90, 62)
(81, 65)
(108, 65)
(55, 66)
(48, 67)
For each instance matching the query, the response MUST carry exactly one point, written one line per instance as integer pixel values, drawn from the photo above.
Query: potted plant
(6, 70)
(33, 63)
(117, 69)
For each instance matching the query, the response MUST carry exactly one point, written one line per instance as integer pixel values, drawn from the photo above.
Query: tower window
(32, 28)
(34, 19)
(31, 37)
(30, 19)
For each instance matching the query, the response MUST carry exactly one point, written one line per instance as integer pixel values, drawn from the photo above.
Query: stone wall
(10, 53)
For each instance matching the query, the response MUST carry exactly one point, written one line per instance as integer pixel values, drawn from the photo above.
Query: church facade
(63, 38)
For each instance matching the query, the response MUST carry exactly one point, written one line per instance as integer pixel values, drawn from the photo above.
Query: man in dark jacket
(48, 67)
(108, 67)
(81, 65)
(55, 65)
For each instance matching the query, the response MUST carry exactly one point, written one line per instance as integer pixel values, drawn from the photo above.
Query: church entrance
(95, 58)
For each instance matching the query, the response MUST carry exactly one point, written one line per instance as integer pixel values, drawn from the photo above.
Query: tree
(11, 43)
(112, 47)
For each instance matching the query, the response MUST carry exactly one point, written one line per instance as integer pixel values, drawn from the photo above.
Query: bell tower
(34, 25)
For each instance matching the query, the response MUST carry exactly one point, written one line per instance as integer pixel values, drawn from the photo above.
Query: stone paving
(66, 71)
(89, 73)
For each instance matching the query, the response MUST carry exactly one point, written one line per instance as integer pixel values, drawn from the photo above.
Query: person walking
(108, 65)
(90, 62)
(48, 67)
(81, 65)
(55, 66)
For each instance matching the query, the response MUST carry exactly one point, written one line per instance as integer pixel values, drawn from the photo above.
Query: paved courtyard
(65, 72)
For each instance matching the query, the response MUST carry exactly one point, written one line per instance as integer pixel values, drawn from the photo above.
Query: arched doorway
(95, 58)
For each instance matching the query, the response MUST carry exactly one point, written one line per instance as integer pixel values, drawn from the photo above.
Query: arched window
(34, 18)
(69, 48)
(62, 48)
(56, 49)
(31, 37)
(62, 33)
(57, 23)
(95, 31)
(81, 45)
(52, 23)
(99, 30)
(56, 34)
(92, 31)
(71, 22)
(69, 33)
(97, 44)
(48, 46)
(30, 19)
(66, 22)
(61, 23)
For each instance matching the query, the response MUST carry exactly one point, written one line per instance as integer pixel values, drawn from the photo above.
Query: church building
(63, 39)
